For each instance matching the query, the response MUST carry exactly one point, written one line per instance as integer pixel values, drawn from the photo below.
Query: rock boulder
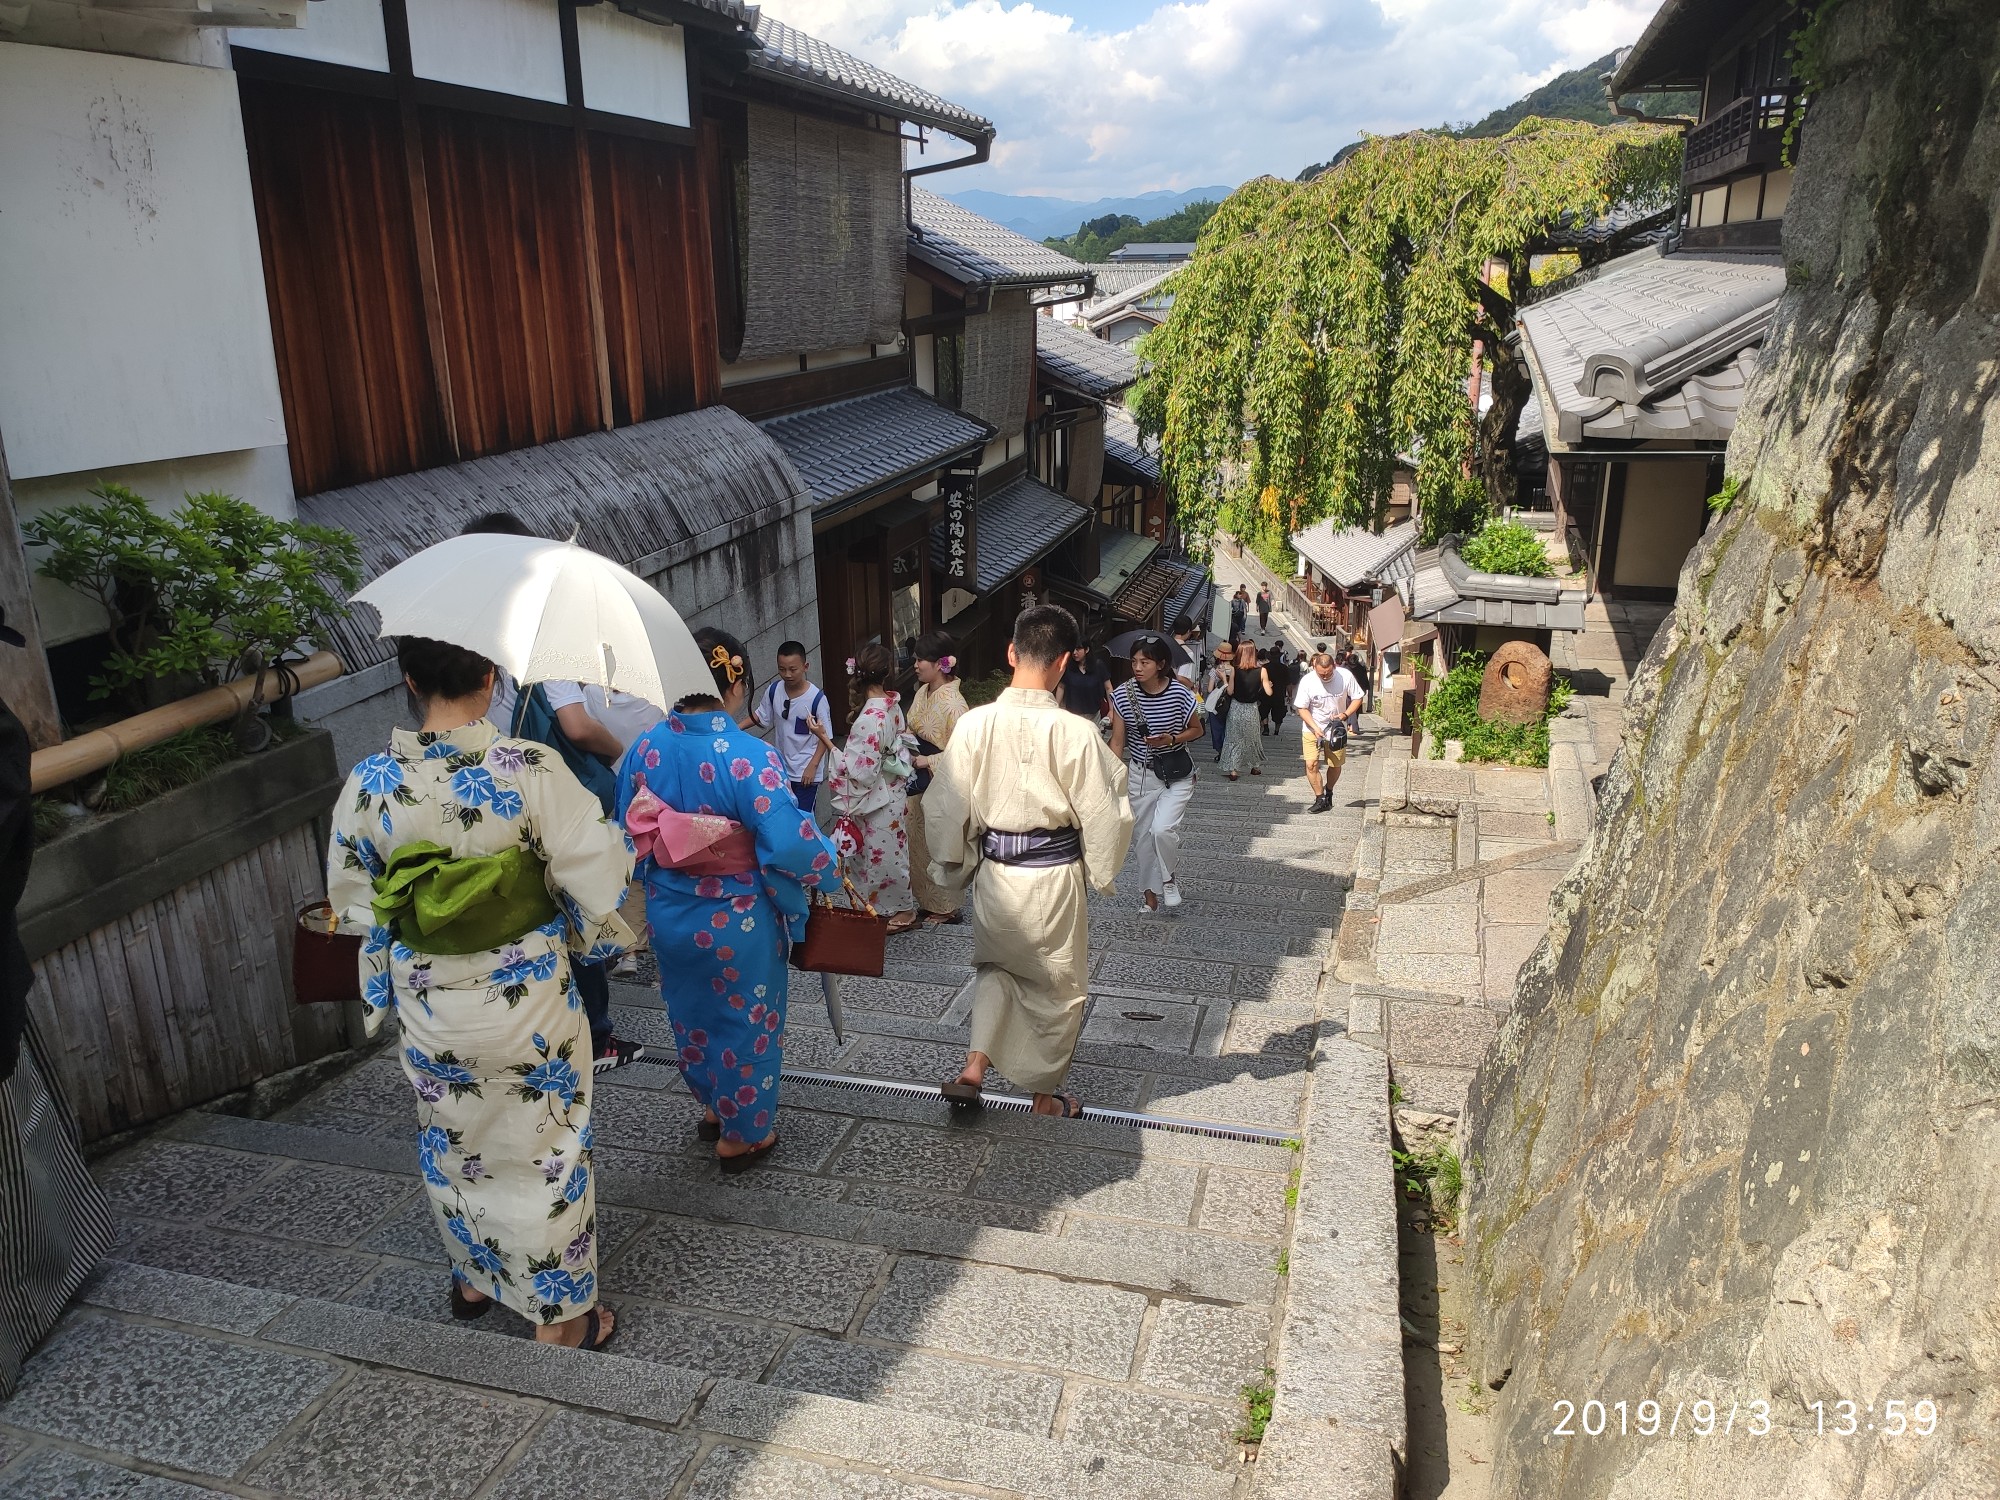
(1515, 688)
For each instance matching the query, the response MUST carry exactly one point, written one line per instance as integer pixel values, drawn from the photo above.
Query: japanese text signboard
(960, 527)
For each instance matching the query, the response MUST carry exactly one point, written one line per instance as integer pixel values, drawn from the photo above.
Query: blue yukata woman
(722, 930)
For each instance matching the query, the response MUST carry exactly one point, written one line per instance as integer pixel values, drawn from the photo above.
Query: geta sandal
(708, 1130)
(961, 1095)
(463, 1307)
(593, 1342)
(743, 1161)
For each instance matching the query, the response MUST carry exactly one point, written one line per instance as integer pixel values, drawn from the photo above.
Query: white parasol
(544, 610)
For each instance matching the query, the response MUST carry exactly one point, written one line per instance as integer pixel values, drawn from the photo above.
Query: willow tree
(1324, 327)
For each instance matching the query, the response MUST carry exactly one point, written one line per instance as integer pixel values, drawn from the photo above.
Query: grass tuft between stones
(1257, 1398)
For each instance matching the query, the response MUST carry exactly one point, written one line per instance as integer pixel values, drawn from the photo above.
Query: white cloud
(1213, 91)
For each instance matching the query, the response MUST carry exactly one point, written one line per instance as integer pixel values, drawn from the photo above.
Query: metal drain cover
(1142, 1015)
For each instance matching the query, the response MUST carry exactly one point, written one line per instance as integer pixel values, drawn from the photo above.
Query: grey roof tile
(1154, 250)
(975, 250)
(1082, 361)
(1015, 526)
(1123, 445)
(1142, 293)
(1351, 555)
(1194, 578)
(1439, 587)
(1115, 278)
(850, 448)
(789, 55)
(1613, 354)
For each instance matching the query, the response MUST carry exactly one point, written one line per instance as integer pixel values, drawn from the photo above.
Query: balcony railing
(1746, 134)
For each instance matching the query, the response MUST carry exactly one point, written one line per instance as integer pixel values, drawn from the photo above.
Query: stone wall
(1740, 1136)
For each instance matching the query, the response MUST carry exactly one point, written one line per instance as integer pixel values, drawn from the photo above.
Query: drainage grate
(902, 1089)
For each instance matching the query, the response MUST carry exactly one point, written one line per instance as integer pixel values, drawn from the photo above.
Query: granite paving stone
(1011, 1315)
(955, 1209)
(1296, 981)
(1125, 1022)
(1521, 895)
(1274, 1030)
(198, 1404)
(693, 1340)
(1097, 1182)
(912, 1155)
(1250, 1203)
(1241, 1263)
(1448, 974)
(734, 1474)
(11, 1448)
(1270, 1102)
(1427, 929)
(275, 1265)
(55, 1474)
(990, 1395)
(389, 1437)
(620, 1168)
(895, 996)
(227, 1307)
(171, 1180)
(317, 1204)
(1207, 1350)
(377, 1087)
(1173, 974)
(1160, 1427)
(808, 1282)
(582, 1457)
(399, 1126)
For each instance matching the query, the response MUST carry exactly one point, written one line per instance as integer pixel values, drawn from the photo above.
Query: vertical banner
(960, 524)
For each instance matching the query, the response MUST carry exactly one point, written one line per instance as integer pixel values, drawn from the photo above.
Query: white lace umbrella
(544, 610)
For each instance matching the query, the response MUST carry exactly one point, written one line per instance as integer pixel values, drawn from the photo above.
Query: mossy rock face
(1736, 1136)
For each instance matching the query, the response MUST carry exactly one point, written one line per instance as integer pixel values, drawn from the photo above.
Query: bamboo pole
(97, 749)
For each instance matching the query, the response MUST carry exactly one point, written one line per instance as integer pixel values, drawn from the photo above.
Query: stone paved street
(900, 1306)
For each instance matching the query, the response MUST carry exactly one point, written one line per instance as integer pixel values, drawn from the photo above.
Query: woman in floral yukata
(870, 780)
(722, 939)
(476, 865)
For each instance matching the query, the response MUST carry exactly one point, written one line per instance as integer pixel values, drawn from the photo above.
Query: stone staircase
(901, 1305)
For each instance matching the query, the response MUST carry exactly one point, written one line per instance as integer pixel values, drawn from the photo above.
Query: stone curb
(1339, 1422)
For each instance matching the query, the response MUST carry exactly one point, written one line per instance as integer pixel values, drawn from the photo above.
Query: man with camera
(1329, 705)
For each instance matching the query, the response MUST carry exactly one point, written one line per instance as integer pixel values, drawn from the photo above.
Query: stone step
(1229, 1270)
(827, 1431)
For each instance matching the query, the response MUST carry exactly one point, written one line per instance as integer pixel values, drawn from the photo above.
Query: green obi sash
(438, 903)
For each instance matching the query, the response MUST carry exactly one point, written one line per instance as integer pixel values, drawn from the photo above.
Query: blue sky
(1101, 97)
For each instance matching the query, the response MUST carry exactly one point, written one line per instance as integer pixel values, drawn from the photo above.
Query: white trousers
(1157, 810)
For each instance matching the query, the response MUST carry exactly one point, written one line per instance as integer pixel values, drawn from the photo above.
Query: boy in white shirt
(1327, 695)
(789, 707)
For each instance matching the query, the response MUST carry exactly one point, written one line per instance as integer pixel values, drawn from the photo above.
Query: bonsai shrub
(196, 596)
(1506, 547)
(1451, 712)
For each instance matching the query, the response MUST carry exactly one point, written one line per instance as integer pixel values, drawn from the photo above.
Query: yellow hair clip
(721, 661)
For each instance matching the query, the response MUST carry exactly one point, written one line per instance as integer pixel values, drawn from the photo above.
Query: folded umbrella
(544, 610)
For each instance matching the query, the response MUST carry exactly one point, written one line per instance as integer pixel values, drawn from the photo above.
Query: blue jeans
(594, 985)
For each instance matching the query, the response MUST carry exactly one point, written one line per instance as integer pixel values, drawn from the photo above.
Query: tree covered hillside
(1095, 239)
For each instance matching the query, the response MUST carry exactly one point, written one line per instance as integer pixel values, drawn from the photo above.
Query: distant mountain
(1042, 218)
(1575, 95)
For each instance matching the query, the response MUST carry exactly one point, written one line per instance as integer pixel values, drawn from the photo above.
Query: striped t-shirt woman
(1168, 711)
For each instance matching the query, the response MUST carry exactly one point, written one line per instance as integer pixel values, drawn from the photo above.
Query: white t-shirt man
(1322, 700)
(788, 718)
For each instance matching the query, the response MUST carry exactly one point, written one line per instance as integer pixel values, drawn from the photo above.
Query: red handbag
(326, 963)
(843, 939)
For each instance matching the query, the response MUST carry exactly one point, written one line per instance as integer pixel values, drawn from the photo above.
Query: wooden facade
(448, 282)
(186, 997)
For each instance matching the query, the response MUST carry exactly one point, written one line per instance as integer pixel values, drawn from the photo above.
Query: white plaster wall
(346, 32)
(263, 476)
(506, 46)
(632, 67)
(132, 311)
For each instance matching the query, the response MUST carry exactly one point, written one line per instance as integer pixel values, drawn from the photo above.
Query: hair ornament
(720, 660)
(850, 666)
(947, 664)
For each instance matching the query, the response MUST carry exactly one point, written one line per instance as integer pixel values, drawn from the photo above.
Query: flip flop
(943, 919)
(1072, 1107)
(961, 1095)
(743, 1161)
(897, 927)
(591, 1342)
(464, 1308)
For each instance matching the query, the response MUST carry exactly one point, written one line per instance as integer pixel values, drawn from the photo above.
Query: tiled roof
(1121, 557)
(1137, 295)
(1651, 346)
(1014, 527)
(1143, 250)
(1673, 50)
(977, 251)
(789, 55)
(1115, 279)
(856, 447)
(1082, 361)
(730, 10)
(1529, 428)
(1440, 588)
(1182, 601)
(1351, 555)
(1642, 225)
(1124, 446)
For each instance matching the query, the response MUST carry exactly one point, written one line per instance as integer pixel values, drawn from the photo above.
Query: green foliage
(189, 594)
(1451, 712)
(178, 761)
(1432, 1172)
(978, 690)
(1285, 1262)
(1324, 327)
(1808, 55)
(1258, 1396)
(1262, 529)
(1725, 497)
(52, 818)
(1095, 239)
(1507, 547)
(1459, 505)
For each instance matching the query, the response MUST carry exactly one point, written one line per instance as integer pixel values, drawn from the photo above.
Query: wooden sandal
(593, 1342)
(898, 926)
(463, 1308)
(961, 1095)
(743, 1161)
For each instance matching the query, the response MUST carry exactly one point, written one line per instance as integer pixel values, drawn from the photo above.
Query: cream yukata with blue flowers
(494, 1043)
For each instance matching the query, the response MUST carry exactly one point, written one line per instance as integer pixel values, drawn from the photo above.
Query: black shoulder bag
(1169, 765)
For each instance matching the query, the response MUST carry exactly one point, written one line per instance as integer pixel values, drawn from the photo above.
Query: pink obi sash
(693, 843)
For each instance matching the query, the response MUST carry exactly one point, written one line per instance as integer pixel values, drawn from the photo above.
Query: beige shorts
(1314, 756)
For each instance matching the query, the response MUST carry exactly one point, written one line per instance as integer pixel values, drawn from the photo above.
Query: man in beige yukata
(1028, 805)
